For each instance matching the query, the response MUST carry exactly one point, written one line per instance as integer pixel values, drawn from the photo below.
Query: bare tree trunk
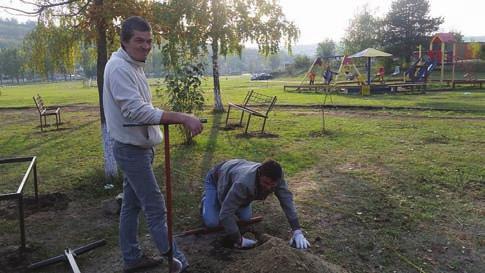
(110, 167)
(218, 106)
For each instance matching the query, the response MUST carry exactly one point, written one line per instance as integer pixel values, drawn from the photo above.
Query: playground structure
(444, 51)
(348, 69)
(348, 77)
(330, 77)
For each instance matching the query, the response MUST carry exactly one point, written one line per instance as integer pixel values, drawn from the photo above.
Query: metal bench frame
(255, 104)
(46, 111)
(19, 195)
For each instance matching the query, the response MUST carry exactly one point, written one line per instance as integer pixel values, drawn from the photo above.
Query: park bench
(46, 111)
(255, 104)
(408, 87)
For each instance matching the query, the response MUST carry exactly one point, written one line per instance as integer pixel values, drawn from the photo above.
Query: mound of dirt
(275, 255)
(208, 255)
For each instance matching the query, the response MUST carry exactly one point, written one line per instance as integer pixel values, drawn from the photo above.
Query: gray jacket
(127, 99)
(236, 188)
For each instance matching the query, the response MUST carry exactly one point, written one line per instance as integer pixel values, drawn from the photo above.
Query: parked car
(261, 76)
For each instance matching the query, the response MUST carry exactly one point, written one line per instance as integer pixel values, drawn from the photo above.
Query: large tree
(51, 49)
(362, 32)
(227, 24)
(407, 25)
(96, 21)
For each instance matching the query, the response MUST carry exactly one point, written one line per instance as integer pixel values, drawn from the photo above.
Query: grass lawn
(379, 191)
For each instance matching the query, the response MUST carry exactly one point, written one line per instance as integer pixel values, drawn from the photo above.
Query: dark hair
(131, 24)
(271, 169)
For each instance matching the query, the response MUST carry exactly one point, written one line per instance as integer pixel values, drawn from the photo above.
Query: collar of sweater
(121, 53)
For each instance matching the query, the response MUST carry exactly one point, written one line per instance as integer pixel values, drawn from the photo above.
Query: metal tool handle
(60, 258)
(207, 230)
(202, 120)
(168, 193)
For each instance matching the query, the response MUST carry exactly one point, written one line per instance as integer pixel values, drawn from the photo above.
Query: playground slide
(423, 72)
(411, 71)
(426, 70)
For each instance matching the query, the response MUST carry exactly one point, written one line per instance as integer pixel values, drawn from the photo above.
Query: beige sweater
(127, 99)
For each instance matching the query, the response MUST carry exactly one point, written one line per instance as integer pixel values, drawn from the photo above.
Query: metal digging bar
(168, 184)
(69, 256)
(207, 230)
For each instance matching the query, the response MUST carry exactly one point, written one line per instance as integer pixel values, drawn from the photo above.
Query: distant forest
(12, 32)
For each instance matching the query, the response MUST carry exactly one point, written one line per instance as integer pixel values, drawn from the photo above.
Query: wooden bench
(409, 86)
(46, 111)
(255, 104)
(306, 87)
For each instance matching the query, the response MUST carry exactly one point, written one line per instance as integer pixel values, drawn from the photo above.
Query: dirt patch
(207, 254)
(275, 255)
(322, 133)
(231, 126)
(46, 202)
(12, 258)
(377, 113)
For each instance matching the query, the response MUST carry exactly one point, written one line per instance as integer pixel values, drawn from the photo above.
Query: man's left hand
(298, 240)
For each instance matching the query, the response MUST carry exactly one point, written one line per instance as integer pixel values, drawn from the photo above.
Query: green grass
(419, 173)
(60, 93)
(234, 89)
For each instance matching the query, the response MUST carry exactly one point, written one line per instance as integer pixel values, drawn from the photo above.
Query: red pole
(168, 192)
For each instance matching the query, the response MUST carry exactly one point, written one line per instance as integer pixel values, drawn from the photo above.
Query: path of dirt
(374, 112)
(53, 227)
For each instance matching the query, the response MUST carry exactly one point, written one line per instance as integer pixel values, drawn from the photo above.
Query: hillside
(12, 32)
(474, 39)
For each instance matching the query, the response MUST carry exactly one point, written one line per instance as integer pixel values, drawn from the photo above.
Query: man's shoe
(178, 266)
(143, 263)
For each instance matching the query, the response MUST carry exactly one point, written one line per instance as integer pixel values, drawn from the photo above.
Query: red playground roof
(443, 38)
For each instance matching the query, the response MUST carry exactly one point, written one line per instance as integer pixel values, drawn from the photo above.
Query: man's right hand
(245, 243)
(193, 124)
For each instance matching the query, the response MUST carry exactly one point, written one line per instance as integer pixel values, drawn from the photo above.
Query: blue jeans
(211, 206)
(141, 192)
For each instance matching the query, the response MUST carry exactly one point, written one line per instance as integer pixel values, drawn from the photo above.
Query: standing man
(328, 75)
(127, 99)
(231, 186)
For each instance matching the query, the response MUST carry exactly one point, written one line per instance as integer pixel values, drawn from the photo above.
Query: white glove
(245, 243)
(298, 240)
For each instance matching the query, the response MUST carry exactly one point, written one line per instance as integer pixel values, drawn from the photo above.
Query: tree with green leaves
(326, 48)
(87, 60)
(362, 32)
(302, 62)
(12, 63)
(458, 36)
(52, 50)
(227, 24)
(97, 22)
(407, 25)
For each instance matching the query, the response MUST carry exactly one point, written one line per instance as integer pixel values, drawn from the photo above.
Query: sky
(321, 19)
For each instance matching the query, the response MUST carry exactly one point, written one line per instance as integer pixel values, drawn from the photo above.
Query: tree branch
(39, 8)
